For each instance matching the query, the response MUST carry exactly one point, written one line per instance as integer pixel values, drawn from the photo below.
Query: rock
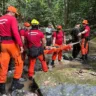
(46, 83)
(22, 93)
(50, 67)
(69, 90)
(31, 94)
(38, 66)
(23, 79)
(80, 71)
(93, 73)
(10, 73)
(66, 56)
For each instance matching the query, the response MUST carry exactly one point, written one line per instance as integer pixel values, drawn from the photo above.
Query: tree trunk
(3, 4)
(66, 5)
(49, 3)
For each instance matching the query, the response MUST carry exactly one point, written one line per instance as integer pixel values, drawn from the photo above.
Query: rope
(75, 43)
(80, 41)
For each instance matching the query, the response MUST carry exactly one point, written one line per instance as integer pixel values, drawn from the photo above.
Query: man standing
(58, 39)
(75, 38)
(25, 29)
(36, 42)
(22, 34)
(10, 46)
(49, 35)
(84, 42)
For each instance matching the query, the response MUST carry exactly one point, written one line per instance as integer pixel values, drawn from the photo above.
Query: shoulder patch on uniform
(2, 21)
(33, 33)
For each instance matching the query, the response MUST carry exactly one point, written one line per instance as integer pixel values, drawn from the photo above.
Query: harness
(5, 38)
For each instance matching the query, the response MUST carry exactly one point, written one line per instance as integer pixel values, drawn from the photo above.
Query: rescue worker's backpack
(35, 51)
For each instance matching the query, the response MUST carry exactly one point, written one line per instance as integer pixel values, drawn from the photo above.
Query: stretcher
(57, 48)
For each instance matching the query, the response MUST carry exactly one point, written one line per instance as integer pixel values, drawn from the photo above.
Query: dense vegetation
(65, 12)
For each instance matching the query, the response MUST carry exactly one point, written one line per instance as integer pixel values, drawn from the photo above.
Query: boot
(30, 78)
(34, 86)
(52, 63)
(84, 59)
(16, 85)
(81, 57)
(2, 88)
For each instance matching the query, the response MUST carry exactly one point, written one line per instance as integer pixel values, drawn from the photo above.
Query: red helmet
(26, 24)
(85, 21)
(12, 9)
(59, 27)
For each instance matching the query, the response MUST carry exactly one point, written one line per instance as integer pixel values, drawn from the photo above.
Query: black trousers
(76, 50)
(49, 41)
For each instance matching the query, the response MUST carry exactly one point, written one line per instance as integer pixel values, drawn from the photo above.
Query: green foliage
(64, 12)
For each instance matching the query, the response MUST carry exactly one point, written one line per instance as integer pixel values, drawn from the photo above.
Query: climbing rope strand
(75, 43)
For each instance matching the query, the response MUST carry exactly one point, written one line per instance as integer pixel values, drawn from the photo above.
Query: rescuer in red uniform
(84, 42)
(36, 42)
(10, 46)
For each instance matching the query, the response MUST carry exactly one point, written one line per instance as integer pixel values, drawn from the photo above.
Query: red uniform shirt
(9, 27)
(34, 38)
(22, 32)
(88, 32)
(59, 37)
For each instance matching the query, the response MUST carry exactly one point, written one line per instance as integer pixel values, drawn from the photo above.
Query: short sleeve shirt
(88, 32)
(59, 37)
(22, 32)
(34, 38)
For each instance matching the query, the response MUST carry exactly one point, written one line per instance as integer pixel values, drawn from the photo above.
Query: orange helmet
(26, 24)
(12, 9)
(59, 27)
(85, 22)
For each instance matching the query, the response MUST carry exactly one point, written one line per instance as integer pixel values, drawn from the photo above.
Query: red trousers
(32, 65)
(55, 55)
(84, 47)
(58, 52)
(10, 50)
